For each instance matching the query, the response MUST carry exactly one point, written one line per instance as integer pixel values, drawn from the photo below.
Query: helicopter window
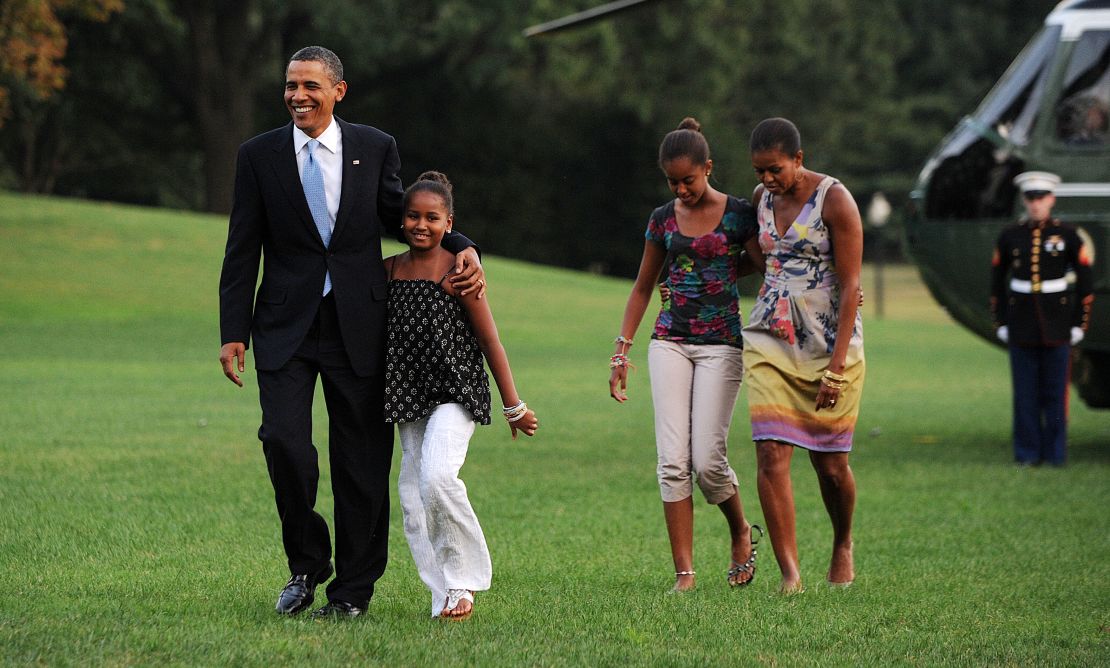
(1011, 107)
(1083, 114)
(974, 169)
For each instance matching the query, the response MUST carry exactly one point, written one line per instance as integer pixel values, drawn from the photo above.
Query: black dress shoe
(300, 591)
(337, 609)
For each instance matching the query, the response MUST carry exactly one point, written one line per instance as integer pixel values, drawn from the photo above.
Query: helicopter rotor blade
(583, 17)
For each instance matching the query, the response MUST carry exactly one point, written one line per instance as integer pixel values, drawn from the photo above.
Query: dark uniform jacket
(1030, 291)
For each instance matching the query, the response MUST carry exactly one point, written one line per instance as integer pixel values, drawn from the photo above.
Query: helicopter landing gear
(1090, 372)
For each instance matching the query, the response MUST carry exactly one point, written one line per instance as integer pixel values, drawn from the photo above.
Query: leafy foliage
(551, 141)
(33, 43)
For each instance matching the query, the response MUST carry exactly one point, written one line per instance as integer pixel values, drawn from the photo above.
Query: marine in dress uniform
(1041, 294)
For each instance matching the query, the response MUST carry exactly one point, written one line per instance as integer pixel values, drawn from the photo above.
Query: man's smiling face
(310, 95)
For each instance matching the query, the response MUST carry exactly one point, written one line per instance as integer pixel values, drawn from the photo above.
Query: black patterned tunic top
(432, 355)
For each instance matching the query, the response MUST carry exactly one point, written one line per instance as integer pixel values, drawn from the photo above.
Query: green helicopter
(1051, 112)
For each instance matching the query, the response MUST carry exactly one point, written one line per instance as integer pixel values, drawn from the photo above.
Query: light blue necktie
(312, 179)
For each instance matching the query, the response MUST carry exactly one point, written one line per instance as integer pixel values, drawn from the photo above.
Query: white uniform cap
(1037, 182)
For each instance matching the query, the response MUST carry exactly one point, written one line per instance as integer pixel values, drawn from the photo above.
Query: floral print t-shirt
(701, 273)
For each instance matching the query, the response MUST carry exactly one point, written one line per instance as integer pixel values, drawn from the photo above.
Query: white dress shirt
(329, 155)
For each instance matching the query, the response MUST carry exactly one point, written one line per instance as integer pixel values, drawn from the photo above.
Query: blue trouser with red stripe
(1040, 378)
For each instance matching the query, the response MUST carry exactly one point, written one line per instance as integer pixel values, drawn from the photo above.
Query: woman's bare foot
(791, 587)
(741, 552)
(683, 582)
(841, 568)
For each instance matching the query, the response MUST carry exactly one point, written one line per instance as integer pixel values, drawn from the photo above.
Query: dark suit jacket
(270, 218)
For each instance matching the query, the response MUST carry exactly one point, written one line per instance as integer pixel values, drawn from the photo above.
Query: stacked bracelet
(516, 412)
(619, 360)
(834, 381)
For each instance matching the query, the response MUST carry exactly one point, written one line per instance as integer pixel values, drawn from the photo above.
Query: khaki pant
(694, 389)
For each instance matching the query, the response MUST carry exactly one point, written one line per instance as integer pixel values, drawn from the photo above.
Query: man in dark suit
(314, 199)
(1040, 313)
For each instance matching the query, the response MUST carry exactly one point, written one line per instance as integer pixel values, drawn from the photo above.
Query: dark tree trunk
(28, 131)
(232, 48)
(41, 148)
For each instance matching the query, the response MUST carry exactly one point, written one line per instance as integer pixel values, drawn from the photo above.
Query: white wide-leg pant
(442, 530)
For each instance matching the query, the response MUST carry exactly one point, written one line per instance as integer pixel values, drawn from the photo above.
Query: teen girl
(695, 357)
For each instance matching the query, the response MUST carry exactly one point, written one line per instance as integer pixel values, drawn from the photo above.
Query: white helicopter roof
(1076, 16)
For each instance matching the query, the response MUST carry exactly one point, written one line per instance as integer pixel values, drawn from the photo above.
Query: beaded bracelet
(620, 360)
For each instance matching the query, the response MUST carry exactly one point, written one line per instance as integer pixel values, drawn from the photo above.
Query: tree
(33, 42)
(227, 54)
(551, 142)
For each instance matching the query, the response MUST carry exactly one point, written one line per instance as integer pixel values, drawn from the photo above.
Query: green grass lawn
(138, 525)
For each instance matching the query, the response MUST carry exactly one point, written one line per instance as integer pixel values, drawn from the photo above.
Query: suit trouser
(443, 533)
(360, 448)
(1040, 380)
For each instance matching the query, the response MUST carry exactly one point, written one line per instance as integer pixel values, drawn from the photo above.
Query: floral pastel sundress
(789, 338)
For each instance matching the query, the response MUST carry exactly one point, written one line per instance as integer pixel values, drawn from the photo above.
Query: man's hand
(1003, 334)
(469, 275)
(232, 358)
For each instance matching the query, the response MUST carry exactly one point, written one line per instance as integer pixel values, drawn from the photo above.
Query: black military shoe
(337, 609)
(300, 591)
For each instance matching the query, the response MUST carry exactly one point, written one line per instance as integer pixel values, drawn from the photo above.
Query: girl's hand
(526, 423)
(618, 383)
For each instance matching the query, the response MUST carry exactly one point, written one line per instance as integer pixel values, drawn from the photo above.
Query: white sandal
(454, 597)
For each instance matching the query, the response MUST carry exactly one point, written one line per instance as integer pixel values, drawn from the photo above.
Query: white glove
(1077, 335)
(1004, 334)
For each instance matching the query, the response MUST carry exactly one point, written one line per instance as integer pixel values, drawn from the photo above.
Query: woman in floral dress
(803, 345)
(695, 353)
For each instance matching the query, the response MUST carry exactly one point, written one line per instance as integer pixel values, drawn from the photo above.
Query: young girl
(436, 389)
(694, 357)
